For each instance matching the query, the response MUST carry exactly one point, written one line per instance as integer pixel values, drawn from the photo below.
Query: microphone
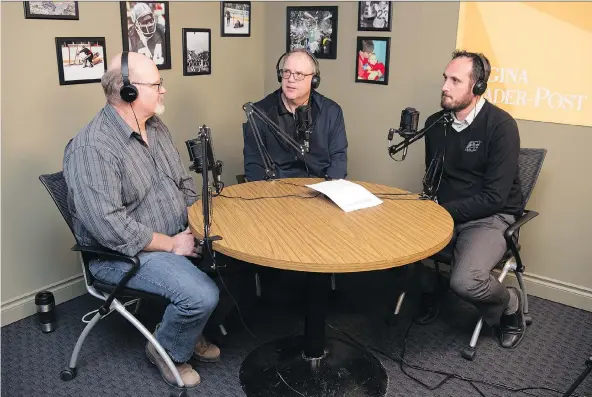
(303, 115)
(408, 130)
(204, 146)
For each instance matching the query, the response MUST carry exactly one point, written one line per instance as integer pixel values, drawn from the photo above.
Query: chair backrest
(530, 163)
(58, 190)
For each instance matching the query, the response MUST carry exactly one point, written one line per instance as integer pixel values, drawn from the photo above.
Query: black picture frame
(197, 63)
(229, 20)
(161, 37)
(371, 16)
(362, 74)
(307, 18)
(47, 10)
(72, 67)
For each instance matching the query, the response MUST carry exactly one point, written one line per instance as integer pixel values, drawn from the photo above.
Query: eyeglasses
(298, 76)
(159, 84)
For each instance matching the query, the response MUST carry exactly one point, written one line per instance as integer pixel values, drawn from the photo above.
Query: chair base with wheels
(109, 294)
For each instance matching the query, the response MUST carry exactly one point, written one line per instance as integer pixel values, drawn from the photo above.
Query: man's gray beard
(159, 109)
(456, 107)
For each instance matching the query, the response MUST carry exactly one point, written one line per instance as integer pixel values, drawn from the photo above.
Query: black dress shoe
(513, 326)
(429, 309)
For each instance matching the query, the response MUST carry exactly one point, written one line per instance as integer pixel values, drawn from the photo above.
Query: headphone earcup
(315, 82)
(128, 93)
(279, 76)
(479, 88)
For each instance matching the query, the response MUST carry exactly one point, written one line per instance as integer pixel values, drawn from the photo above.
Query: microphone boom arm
(253, 112)
(404, 144)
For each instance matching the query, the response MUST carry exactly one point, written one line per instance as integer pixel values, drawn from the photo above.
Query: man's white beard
(159, 109)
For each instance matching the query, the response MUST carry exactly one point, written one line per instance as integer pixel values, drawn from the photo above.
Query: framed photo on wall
(51, 10)
(374, 16)
(81, 59)
(313, 28)
(146, 30)
(197, 50)
(235, 19)
(372, 60)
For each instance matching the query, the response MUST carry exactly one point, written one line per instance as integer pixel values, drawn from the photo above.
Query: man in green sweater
(475, 163)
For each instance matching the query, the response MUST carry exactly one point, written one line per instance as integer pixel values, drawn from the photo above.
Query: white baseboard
(23, 306)
(540, 286)
(554, 290)
(547, 288)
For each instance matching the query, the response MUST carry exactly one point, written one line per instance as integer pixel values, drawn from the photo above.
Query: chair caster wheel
(68, 374)
(468, 353)
(528, 319)
(178, 393)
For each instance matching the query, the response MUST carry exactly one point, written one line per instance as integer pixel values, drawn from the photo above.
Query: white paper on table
(347, 195)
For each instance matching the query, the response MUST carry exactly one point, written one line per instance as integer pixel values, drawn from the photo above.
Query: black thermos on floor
(45, 303)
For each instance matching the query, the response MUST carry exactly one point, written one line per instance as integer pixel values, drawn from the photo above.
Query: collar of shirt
(461, 125)
(122, 126)
(282, 109)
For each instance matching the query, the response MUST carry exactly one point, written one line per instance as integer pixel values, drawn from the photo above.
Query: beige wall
(40, 116)
(557, 249)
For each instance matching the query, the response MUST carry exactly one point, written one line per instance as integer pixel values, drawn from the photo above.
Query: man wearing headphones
(128, 191)
(479, 185)
(299, 75)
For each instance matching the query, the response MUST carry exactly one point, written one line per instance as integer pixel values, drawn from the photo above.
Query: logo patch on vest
(472, 146)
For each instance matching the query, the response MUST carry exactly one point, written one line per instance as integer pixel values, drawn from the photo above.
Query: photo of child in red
(372, 70)
(372, 60)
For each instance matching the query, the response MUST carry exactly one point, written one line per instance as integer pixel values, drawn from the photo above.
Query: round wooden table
(286, 225)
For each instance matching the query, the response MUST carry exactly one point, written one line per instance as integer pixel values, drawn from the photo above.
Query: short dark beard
(456, 106)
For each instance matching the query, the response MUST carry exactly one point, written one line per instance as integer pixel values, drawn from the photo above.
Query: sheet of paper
(347, 195)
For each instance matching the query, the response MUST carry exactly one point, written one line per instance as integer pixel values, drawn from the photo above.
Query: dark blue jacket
(328, 143)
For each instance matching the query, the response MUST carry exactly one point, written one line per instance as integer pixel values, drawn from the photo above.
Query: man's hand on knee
(184, 244)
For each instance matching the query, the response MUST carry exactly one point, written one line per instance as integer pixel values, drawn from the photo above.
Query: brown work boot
(188, 375)
(206, 351)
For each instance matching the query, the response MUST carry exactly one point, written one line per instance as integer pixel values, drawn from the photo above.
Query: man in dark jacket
(479, 185)
(327, 157)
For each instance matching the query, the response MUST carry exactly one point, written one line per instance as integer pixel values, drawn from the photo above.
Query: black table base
(344, 370)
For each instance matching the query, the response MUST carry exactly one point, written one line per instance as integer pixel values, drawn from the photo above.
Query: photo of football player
(146, 30)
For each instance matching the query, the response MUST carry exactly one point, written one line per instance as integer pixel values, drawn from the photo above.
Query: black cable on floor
(448, 375)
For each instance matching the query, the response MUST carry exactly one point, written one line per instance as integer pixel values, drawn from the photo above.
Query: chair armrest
(107, 253)
(527, 216)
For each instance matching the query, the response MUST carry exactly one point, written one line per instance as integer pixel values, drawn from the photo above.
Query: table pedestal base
(345, 370)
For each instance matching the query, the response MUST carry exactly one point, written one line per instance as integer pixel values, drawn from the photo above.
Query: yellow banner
(541, 57)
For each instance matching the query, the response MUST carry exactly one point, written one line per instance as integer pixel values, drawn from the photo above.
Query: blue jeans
(193, 296)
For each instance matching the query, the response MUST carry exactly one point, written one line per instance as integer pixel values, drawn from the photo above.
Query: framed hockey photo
(235, 19)
(81, 59)
(146, 30)
(197, 47)
(51, 10)
(372, 63)
(374, 16)
(313, 28)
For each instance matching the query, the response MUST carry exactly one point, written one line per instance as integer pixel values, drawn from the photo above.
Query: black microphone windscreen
(303, 117)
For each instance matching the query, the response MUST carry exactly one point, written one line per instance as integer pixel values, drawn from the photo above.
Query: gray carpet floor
(112, 361)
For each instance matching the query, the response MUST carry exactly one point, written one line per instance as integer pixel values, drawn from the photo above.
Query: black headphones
(481, 84)
(316, 78)
(128, 91)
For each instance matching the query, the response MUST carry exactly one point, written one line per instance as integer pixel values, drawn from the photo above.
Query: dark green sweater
(480, 176)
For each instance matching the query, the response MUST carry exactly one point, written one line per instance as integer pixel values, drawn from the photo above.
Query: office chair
(530, 162)
(110, 294)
